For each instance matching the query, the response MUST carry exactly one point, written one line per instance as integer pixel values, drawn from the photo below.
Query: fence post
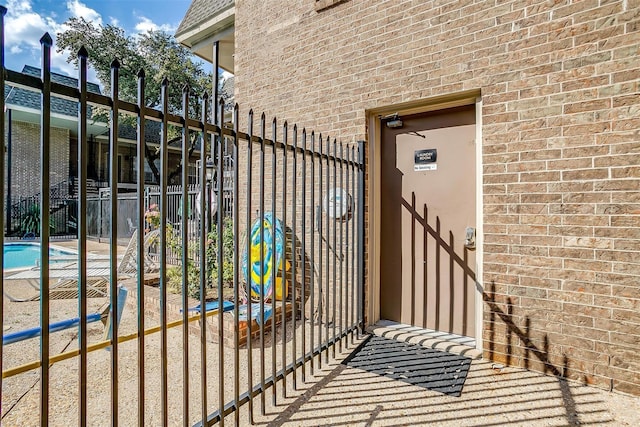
(81, 230)
(361, 308)
(3, 11)
(113, 237)
(45, 157)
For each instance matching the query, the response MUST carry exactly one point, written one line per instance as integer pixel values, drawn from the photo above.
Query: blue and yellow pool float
(271, 246)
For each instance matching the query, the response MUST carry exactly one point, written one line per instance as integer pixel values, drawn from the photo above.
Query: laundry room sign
(425, 160)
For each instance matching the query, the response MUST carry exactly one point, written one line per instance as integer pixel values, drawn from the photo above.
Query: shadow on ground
(345, 394)
(411, 363)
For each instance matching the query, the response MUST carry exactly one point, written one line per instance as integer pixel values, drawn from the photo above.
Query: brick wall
(25, 162)
(561, 149)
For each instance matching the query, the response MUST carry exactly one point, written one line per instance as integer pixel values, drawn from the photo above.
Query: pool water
(27, 255)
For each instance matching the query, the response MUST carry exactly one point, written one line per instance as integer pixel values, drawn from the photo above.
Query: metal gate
(282, 280)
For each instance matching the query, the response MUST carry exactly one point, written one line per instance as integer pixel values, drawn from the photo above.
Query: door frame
(373, 117)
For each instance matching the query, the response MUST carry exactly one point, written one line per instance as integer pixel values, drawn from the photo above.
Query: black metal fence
(25, 217)
(286, 267)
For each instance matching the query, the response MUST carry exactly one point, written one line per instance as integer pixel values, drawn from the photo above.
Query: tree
(155, 52)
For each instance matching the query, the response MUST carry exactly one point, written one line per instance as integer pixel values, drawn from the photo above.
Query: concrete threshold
(428, 338)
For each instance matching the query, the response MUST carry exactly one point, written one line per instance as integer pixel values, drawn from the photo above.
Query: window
(325, 4)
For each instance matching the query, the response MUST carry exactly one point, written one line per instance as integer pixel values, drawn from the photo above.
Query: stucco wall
(561, 150)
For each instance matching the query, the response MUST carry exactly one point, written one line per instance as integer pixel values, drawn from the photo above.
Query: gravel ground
(20, 394)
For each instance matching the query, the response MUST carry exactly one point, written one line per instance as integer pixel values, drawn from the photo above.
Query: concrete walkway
(339, 395)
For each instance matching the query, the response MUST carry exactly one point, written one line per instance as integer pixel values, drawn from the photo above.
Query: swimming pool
(27, 255)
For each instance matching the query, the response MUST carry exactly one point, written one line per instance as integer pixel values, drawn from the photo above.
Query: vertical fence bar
(354, 287)
(304, 251)
(113, 237)
(283, 266)
(164, 165)
(3, 12)
(335, 246)
(318, 210)
(356, 261)
(215, 88)
(236, 270)
(82, 234)
(45, 133)
(204, 197)
(219, 229)
(273, 260)
(312, 261)
(249, 261)
(262, 269)
(341, 258)
(360, 223)
(185, 257)
(294, 259)
(326, 236)
(140, 245)
(348, 244)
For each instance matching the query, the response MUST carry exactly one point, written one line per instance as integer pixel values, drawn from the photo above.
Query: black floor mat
(432, 369)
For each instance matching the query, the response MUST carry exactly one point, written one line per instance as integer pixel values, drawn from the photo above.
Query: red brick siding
(561, 199)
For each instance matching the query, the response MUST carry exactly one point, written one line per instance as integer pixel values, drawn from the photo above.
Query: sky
(26, 22)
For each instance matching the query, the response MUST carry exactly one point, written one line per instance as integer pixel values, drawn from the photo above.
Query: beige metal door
(428, 221)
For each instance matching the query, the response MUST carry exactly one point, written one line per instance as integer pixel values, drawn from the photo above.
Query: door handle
(470, 238)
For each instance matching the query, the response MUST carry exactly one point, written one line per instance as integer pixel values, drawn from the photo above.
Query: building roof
(60, 78)
(200, 11)
(29, 99)
(20, 97)
(152, 131)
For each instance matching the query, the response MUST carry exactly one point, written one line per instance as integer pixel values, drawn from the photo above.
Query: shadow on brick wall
(530, 348)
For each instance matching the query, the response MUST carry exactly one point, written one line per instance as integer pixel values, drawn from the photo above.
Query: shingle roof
(201, 10)
(151, 131)
(60, 78)
(29, 99)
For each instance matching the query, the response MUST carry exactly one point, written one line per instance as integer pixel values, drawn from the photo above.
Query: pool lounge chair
(128, 264)
(65, 285)
(98, 273)
(127, 261)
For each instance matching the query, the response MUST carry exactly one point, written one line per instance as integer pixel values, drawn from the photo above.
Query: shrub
(30, 221)
(174, 275)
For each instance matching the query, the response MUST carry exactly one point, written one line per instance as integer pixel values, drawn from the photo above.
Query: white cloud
(18, 5)
(80, 10)
(114, 21)
(25, 27)
(59, 62)
(145, 24)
